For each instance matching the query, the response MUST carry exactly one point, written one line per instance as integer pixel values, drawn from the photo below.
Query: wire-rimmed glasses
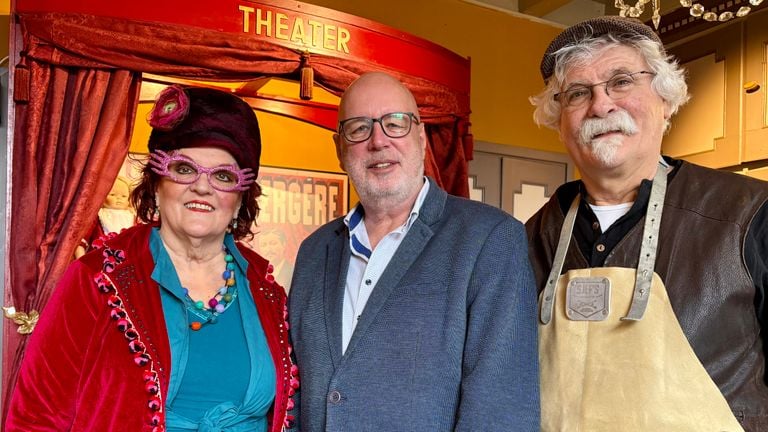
(182, 169)
(619, 86)
(395, 125)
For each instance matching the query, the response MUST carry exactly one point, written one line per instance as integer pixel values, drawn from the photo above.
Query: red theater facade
(75, 84)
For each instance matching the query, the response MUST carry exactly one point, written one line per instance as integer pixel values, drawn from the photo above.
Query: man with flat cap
(652, 271)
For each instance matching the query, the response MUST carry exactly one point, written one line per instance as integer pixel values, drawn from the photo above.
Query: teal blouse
(222, 376)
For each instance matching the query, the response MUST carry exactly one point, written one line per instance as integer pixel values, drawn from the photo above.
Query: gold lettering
(317, 32)
(281, 26)
(297, 32)
(247, 11)
(295, 29)
(343, 39)
(329, 39)
(266, 22)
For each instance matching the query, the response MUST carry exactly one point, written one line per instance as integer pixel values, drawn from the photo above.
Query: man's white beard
(370, 191)
(606, 149)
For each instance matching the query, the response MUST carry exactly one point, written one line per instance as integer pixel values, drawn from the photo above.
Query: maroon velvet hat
(203, 117)
(620, 27)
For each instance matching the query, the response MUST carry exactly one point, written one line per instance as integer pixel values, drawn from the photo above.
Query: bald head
(376, 89)
(385, 158)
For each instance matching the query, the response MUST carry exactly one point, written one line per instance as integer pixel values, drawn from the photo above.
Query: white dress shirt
(365, 265)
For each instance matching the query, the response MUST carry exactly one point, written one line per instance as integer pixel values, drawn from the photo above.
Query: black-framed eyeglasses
(619, 86)
(395, 125)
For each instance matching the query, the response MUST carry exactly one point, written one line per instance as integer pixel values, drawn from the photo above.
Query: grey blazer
(447, 340)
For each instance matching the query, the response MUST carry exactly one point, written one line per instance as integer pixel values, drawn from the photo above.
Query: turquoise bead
(226, 292)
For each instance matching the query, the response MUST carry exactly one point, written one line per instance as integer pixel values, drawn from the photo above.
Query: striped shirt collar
(358, 238)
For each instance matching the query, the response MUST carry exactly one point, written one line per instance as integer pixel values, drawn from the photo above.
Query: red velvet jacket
(99, 358)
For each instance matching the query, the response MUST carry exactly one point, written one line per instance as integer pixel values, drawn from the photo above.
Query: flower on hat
(170, 109)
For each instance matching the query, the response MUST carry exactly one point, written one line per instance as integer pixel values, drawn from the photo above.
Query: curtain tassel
(21, 82)
(307, 78)
(25, 321)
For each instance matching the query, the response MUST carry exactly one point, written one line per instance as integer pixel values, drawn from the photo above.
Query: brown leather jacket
(706, 216)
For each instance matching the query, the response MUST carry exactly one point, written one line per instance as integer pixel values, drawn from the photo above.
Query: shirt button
(600, 248)
(595, 226)
(334, 397)
(367, 281)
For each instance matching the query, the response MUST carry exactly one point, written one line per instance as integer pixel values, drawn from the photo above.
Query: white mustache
(619, 121)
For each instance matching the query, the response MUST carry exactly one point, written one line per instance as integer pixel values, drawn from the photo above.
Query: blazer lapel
(409, 250)
(336, 265)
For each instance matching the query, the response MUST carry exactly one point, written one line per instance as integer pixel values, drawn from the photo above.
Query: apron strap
(548, 298)
(648, 250)
(648, 247)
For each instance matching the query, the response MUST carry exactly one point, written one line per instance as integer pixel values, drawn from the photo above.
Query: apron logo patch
(588, 298)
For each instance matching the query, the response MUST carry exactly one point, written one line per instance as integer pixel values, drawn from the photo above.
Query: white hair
(668, 81)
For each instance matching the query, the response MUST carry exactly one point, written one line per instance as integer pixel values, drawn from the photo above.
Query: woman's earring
(233, 225)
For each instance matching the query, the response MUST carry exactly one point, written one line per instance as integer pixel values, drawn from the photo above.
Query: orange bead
(196, 325)
(230, 282)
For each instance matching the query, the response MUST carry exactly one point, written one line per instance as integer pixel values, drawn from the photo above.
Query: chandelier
(696, 10)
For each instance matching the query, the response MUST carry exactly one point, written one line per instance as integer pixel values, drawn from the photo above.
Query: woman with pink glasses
(172, 325)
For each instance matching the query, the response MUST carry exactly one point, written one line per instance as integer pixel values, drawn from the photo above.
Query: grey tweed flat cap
(621, 27)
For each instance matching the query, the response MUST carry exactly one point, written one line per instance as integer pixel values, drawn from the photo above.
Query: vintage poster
(294, 203)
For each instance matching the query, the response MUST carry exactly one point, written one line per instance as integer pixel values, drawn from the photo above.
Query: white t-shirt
(608, 214)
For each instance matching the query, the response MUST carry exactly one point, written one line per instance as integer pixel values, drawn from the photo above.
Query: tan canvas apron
(612, 354)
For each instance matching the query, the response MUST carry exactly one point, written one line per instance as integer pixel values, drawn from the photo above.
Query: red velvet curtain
(71, 136)
(74, 131)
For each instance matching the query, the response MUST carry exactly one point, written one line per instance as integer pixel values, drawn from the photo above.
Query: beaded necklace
(220, 301)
